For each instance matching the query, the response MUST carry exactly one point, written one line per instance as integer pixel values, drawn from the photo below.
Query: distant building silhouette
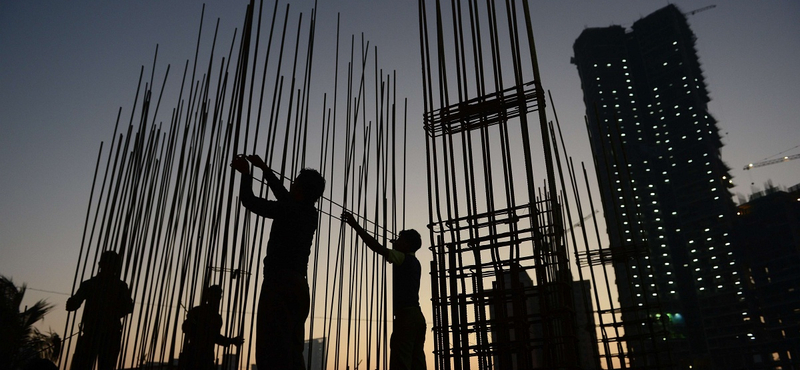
(317, 346)
(768, 228)
(514, 311)
(665, 193)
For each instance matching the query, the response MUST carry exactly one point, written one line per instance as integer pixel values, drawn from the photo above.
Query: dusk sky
(67, 66)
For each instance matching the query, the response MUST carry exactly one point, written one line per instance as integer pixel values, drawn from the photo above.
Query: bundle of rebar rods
(165, 198)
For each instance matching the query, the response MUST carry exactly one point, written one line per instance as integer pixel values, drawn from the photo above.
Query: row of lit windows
(683, 137)
(666, 133)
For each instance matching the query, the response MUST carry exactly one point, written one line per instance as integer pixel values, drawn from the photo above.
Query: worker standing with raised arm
(408, 337)
(284, 301)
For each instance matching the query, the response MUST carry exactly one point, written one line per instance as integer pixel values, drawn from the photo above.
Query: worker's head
(110, 263)
(408, 241)
(308, 185)
(212, 294)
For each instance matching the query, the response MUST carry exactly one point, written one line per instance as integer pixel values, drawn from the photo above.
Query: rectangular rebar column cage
(500, 277)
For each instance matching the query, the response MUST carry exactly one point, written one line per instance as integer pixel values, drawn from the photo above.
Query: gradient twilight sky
(67, 66)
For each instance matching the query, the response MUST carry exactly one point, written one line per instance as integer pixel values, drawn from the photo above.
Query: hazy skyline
(66, 68)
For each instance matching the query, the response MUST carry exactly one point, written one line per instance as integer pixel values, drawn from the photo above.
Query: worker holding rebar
(202, 331)
(408, 337)
(284, 301)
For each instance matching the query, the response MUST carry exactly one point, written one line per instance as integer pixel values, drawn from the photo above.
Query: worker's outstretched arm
(368, 239)
(227, 341)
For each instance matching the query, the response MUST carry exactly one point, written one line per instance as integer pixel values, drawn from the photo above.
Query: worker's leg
(402, 342)
(283, 309)
(418, 361)
(108, 350)
(82, 359)
(299, 303)
(264, 331)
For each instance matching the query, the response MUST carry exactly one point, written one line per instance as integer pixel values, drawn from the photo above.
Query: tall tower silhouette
(665, 194)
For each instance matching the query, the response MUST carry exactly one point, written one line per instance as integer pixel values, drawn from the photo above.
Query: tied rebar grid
(502, 289)
(503, 294)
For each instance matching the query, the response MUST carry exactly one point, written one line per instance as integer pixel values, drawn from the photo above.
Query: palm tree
(20, 342)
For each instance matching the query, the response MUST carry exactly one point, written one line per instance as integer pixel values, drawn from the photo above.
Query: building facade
(516, 327)
(768, 229)
(665, 194)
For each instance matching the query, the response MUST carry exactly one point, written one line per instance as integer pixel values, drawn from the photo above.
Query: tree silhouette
(20, 342)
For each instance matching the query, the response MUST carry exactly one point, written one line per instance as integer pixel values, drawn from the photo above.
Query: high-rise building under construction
(665, 194)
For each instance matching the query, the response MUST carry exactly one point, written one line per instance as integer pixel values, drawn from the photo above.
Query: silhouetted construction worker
(108, 300)
(408, 337)
(201, 329)
(284, 301)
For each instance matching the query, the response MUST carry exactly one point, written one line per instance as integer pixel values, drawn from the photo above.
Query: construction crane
(578, 224)
(772, 161)
(699, 10)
